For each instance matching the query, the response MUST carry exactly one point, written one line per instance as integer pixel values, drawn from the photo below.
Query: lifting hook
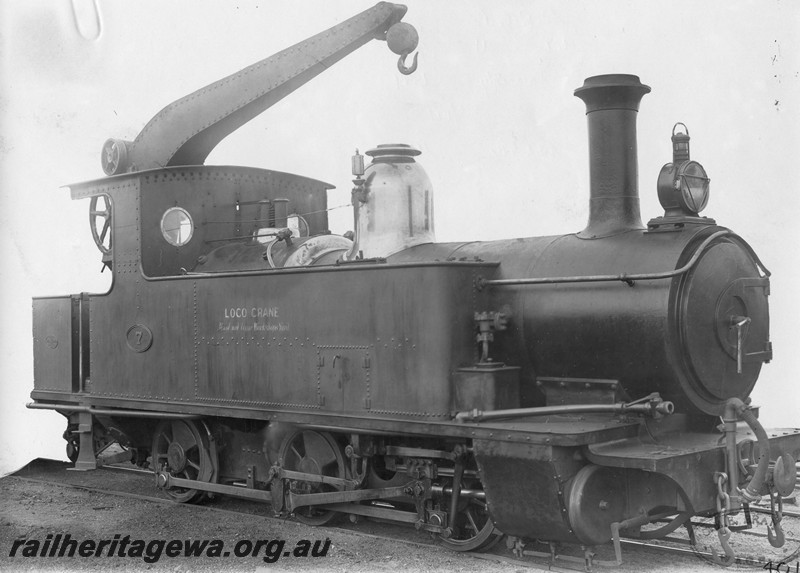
(401, 64)
(402, 39)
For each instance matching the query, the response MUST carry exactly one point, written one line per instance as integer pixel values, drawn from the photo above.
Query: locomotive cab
(202, 218)
(226, 212)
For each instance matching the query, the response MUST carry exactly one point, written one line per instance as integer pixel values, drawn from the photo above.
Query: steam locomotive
(562, 389)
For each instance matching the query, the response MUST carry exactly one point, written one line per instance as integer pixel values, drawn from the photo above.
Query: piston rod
(440, 491)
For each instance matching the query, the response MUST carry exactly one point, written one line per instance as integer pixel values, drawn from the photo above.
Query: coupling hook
(776, 539)
(730, 557)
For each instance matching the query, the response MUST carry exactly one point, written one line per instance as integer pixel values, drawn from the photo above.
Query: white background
(491, 107)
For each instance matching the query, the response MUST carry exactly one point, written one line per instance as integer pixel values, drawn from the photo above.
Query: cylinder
(612, 102)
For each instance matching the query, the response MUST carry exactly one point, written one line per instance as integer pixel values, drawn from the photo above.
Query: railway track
(755, 552)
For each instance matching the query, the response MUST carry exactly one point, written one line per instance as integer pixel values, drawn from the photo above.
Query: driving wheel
(316, 453)
(182, 449)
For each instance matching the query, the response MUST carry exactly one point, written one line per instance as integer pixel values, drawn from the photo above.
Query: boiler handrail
(628, 278)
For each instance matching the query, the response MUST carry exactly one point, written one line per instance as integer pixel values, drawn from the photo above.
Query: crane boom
(188, 129)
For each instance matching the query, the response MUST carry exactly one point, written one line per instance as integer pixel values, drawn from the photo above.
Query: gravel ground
(30, 511)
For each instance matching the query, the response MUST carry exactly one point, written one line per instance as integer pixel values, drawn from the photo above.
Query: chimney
(612, 102)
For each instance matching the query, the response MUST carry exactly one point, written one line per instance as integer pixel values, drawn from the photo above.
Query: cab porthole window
(177, 226)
